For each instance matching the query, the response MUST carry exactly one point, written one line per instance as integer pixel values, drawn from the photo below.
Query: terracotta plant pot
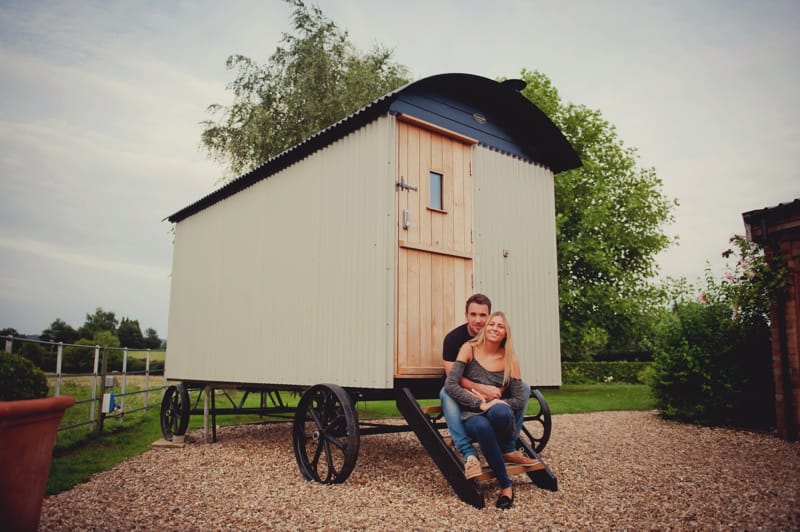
(27, 436)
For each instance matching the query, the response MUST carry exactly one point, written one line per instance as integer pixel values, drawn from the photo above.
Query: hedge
(591, 372)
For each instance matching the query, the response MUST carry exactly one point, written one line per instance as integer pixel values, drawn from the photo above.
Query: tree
(315, 78)
(60, 331)
(151, 340)
(130, 334)
(610, 218)
(98, 322)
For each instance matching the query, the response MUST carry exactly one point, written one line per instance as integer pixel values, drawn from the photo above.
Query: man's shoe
(504, 502)
(472, 467)
(516, 457)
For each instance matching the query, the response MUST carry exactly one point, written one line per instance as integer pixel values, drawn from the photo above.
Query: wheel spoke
(317, 453)
(340, 444)
(328, 461)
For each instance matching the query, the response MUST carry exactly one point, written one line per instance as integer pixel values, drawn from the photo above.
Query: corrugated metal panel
(292, 282)
(515, 257)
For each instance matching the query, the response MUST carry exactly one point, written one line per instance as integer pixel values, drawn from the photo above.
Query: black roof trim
(780, 208)
(539, 140)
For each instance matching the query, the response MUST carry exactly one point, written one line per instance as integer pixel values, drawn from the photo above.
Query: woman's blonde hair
(506, 344)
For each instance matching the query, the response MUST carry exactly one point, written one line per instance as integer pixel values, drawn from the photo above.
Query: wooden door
(434, 237)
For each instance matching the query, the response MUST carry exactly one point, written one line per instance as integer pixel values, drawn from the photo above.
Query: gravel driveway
(616, 470)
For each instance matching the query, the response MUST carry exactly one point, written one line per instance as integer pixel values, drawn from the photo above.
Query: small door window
(435, 195)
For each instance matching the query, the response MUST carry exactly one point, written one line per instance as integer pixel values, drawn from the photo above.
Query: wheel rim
(174, 411)
(326, 434)
(537, 426)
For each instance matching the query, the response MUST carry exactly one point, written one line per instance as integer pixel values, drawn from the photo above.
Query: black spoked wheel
(537, 426)
(174, 411)
(326, 435)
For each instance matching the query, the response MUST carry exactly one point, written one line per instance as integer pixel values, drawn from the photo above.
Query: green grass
(154, 355)
(80, 388)
(569, 399)
(75, 464)
(576, 398)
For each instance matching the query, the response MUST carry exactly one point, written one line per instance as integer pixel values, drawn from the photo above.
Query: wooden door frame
(449, 258)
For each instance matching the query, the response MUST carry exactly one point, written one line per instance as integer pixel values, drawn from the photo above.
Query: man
(477, 311)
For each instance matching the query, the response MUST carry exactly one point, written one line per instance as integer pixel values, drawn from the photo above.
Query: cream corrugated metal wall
(292, 280)
(515, 214)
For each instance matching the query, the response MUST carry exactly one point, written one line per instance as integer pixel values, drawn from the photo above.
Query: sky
(102, 104)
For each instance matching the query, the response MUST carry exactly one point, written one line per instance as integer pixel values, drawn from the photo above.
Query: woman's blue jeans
(461, 440)
(493, 429)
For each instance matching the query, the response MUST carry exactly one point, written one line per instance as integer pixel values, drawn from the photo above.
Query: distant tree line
(100, 328)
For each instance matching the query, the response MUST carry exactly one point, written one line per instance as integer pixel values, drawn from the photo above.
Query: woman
(489, 358)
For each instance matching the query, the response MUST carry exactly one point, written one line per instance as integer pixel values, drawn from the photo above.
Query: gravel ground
(616, 471)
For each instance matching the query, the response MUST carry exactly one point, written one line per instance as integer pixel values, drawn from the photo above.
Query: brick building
(777, 230)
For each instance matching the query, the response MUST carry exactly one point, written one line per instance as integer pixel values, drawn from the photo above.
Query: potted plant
(28, 425)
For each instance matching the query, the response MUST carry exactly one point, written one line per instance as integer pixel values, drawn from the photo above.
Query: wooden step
(512, 469)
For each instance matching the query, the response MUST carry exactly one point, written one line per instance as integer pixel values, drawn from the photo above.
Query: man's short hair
(480, 299)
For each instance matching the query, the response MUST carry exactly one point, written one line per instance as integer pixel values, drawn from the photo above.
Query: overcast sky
(102, 103)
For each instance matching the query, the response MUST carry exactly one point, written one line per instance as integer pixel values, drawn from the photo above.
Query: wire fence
(108, 383)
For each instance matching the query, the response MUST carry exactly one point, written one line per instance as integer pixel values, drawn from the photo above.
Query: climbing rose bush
(712, 359)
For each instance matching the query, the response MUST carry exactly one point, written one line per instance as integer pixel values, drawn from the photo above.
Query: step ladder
(448, 462)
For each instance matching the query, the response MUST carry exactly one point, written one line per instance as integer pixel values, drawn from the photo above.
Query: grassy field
(79, 415)
(154, 355)
(576, 398)
(76, 462)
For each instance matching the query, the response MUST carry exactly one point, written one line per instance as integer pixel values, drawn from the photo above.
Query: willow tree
(314, 78)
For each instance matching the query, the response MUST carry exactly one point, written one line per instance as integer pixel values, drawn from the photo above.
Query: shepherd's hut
(348, 257)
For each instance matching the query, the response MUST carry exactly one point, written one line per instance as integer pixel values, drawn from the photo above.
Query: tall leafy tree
(313, 79)
(100, 321)
(60, 331)
(610, 217)
(151, 340)
(130, 334)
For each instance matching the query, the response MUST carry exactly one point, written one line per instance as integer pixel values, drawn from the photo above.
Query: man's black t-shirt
(453, 342)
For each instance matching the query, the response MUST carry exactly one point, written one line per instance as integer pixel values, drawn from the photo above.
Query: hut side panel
(515, 257)
(291, 281)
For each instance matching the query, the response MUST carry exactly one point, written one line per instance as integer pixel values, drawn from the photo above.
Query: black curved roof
(494, 113)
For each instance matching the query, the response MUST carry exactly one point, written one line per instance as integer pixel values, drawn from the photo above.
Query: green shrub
(712, 369)
(78, 358)
(712, 359)
(33, 352)
(602, 372)
(20, 378)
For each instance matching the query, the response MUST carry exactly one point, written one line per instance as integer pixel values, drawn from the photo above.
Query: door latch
(402, 185)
